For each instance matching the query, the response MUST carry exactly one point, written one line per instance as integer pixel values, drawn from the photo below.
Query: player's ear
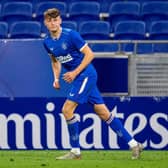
(44, 22)
(60, 20)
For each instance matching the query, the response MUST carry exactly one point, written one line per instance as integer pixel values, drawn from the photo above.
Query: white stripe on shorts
(83, 85)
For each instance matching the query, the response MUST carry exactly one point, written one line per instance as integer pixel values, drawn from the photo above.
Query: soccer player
(67, 48)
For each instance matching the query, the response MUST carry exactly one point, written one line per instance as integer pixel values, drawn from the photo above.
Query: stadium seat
(43, 6)
(70, 25)
(84, 11)
(123, 11)
(142, 1)
(0, 11)
(154, 11)
(105, 5)
(25, 29)
(85, 0)
(36, 2)
(39, 1)
(159, 31)
(99, 1)
(129, 30)
(97, 30)
(144, 48)
(30, 1)
(7, 1)
(3, 30)
(17, 11)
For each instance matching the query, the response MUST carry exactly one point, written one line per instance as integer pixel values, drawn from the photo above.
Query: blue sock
(118, 128)
(73, 128)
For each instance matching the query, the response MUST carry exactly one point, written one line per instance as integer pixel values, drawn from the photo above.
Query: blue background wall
(25, 71)
(37, 123)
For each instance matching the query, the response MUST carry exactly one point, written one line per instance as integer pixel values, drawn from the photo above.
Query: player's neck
(56, 34)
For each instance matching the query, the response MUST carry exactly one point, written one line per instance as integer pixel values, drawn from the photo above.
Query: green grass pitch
(90, 159)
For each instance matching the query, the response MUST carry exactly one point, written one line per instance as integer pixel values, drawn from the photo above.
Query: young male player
(66, 47)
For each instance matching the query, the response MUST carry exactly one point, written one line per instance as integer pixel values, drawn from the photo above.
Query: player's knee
(68, 109)
(65, 110)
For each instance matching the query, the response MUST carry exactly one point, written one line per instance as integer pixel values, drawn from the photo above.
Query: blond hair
(51, 13)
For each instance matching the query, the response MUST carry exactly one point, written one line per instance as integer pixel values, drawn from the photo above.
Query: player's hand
(69, 76)
(56, 84)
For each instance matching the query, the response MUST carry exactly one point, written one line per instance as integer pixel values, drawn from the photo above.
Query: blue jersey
(67, 50)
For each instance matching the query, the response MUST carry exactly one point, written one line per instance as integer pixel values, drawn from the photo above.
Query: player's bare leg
(116, 125)
(102, 111)
(68, 109)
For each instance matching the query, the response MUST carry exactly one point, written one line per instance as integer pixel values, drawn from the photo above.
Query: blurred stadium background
(130, 41)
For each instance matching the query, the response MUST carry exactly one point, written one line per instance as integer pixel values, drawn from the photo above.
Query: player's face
(53, 24)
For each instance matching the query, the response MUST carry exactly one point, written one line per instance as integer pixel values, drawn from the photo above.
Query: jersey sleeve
(45, 46)
(77, 40)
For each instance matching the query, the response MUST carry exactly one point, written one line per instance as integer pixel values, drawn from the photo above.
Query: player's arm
(87, 59)
(56, 67)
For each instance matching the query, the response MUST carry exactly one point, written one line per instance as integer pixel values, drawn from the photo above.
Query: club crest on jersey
(64, 46)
